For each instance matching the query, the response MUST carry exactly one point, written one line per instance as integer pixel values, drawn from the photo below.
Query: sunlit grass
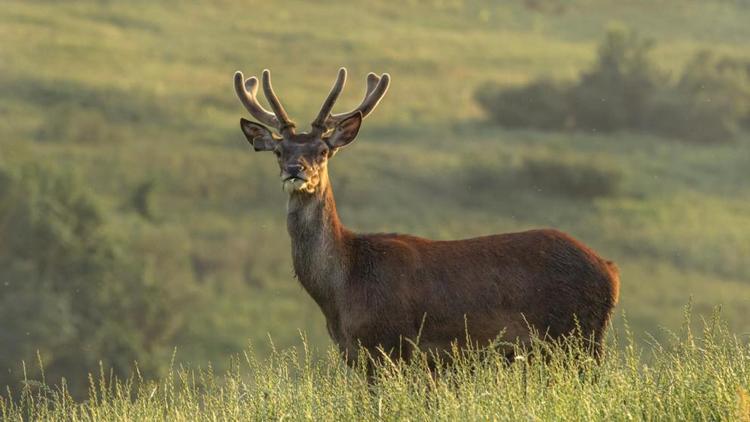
(690, 376)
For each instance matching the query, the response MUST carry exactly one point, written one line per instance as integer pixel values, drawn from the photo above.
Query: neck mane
(318, 243)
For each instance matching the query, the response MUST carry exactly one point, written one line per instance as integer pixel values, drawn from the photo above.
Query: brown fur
(378, 290)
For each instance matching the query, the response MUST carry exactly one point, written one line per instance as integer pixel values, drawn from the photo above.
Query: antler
(247, 93)
(325, 111)
(376, 89)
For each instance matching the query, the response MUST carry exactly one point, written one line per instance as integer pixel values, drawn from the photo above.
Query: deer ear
(345, 131)
(258, 135)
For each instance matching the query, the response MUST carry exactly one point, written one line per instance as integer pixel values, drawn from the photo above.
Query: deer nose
(295, 169)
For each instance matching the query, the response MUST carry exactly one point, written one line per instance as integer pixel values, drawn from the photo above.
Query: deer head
(303, 157)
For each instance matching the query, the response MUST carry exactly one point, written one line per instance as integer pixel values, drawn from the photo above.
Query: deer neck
(318, 243)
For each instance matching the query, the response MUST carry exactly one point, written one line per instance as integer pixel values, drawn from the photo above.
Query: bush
(709, 102)
(143, 201)
(541, 104)
(614, 94)
(571, 177)
(560, 175)
(69, 292)
(676, 114)
(723, 83)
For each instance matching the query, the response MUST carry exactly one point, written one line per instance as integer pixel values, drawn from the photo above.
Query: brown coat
(379, 289)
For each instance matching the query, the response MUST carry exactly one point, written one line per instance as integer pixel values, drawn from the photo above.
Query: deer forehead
(302, 144)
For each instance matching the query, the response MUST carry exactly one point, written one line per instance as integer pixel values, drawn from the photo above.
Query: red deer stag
(376, 290)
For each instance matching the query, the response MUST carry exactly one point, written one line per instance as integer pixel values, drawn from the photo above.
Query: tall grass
(703, 376)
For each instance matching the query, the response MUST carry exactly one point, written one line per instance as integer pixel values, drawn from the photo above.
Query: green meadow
(688, 378)
(130, 106)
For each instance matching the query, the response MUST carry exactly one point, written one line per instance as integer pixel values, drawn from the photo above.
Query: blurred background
(136, 224)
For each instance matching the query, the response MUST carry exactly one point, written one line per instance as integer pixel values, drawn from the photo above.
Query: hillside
(138, 96)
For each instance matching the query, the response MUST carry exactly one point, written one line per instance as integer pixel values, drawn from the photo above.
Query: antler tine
(376, 89)
(246, 92)
(372, 82)
(273, 100)
(319, 123)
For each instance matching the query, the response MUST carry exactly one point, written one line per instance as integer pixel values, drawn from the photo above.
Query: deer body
(380, 290)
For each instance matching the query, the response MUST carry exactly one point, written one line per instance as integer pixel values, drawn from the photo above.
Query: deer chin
(292, 185)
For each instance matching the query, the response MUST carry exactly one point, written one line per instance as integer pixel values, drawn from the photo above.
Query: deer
(378, 290)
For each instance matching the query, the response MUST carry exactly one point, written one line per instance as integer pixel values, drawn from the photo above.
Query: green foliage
(709, 104)
(571, 177)
(626, 90)
(557, 175)
(689, 377)
(615, 93)
(143, 200)
(541, 104)
(69, 292)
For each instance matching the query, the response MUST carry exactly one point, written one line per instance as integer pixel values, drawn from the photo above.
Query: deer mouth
(293, 184)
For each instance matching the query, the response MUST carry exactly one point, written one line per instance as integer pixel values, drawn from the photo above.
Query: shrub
(722, 82)
(69, 291)
(709, 102)
(614, 94)
(560, 175)
(142, 199)
(541, 104)
(676, 114)
(572, 177)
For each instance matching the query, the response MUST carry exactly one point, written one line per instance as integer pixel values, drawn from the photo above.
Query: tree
(69, 291)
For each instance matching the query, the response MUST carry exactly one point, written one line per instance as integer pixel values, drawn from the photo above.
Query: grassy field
(690, 377)
(130, 93)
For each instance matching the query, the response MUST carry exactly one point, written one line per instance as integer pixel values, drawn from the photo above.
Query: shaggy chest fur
(316, 252)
